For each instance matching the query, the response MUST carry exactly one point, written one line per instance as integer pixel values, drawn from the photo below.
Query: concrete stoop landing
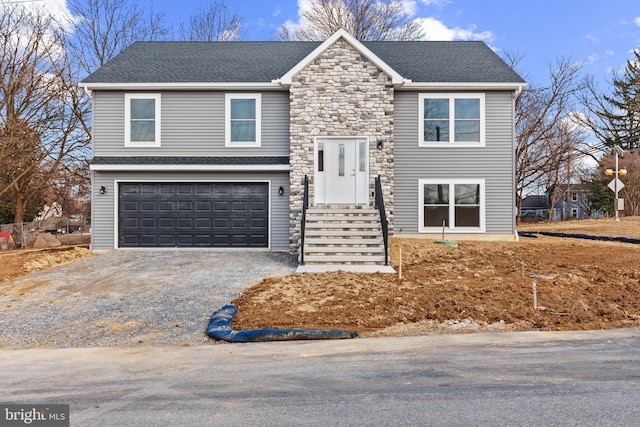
(343, 238)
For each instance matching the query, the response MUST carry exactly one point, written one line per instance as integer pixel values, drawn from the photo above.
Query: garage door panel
(185, 206)
(168, 240)
(129, 188)
(203, 223)
(184, 223)
(185, 189)
(167, 223)
(148, 206)
(239, 224)
(130, 223)
(193, 214)
(130, 206)
(148, 223)
(258, 207)
(241, 207)
(258, 223)
(221, 207)
(149, 189)
(203, 206)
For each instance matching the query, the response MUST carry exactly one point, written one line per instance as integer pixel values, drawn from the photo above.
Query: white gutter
(190, 168)
(409, 85)
(181, 86)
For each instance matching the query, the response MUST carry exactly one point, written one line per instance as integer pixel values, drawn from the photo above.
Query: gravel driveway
(126, 299)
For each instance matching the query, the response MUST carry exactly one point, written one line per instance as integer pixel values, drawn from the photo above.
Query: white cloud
(55, 8)
(591, 37)
(592, 58)
(303, 6)
(409, 7)
(637, 21)
(435, 2)
(437, 31)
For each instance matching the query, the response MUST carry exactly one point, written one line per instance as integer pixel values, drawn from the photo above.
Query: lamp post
(617, 185)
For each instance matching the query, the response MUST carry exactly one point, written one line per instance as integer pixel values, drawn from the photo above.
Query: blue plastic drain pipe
(220, 329)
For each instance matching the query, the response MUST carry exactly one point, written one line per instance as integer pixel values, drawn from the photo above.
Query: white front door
(341, 171)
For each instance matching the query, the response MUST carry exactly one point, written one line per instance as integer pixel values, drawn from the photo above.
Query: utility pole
(617, 185)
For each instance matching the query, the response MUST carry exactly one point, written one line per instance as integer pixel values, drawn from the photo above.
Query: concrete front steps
(346, 238)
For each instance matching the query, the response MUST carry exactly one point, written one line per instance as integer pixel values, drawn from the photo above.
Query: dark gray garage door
(194, 214)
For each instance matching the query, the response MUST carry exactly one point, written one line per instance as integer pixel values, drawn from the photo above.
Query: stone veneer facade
(340, 93)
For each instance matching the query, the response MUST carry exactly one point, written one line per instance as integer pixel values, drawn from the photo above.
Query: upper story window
(243, 120)
(455, 119)
(142, 120)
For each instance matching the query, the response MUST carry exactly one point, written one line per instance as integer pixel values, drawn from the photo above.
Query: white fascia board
(445, 86)
(189, 168)
(180, 86)
(396, 78)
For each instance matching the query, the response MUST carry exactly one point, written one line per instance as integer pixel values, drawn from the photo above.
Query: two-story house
(207, 144)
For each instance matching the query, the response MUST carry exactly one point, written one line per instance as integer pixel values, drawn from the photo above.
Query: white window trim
(451, 97)
(127, 119)
(452, 228)
(227, 119)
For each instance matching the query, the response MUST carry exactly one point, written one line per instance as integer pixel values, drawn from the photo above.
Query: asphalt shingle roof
(262, 62)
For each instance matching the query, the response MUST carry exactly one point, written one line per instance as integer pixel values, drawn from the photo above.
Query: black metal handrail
(379, 200)
(305, 206)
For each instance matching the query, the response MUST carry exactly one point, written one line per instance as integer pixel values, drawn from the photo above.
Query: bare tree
(102, 28)
(614, 118)
(40, 112)
(366, 20)
(215, 23)
(547, 139)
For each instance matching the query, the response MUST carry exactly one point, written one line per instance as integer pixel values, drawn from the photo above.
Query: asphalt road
(530, 378)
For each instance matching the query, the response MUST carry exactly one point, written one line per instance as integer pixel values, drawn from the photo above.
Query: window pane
(341, 160)
(143, 109)
(362, 156)
(243, 131)
(436, 194)
(320, 156)
(467, 194)
(436, 108)
(467, 130)
(143, 131)
(467, 109)
(467, 216)
(243, 109)
(434, 215)
(436, 130)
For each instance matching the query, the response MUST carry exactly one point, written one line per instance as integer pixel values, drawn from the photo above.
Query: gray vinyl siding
(104, 205)
(494, 163)
(192, 124)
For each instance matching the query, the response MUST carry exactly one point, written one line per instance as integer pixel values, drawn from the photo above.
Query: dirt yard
(18, 263)
(580, 284)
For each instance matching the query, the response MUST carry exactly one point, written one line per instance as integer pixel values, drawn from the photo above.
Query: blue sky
(599, 34)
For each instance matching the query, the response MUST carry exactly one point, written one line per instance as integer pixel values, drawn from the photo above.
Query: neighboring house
(207, 144)
(569, 202)
(534, 208)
